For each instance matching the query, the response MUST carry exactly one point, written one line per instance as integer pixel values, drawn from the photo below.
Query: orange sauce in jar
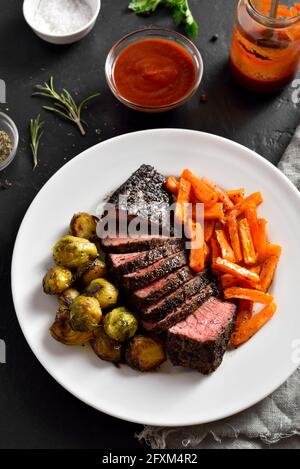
(264, 59)
(154, 73)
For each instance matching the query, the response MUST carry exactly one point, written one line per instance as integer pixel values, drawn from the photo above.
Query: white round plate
(172, 396)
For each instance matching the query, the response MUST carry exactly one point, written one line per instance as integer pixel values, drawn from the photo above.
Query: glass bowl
(153, 33)
(8, 125)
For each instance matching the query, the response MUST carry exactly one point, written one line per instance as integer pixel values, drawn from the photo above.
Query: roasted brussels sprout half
(120, 324)
(68, 296)
(145, 353)
(62, 331)
(105, 292)
(106, 348)
(90, 271)
(84, 225)
(57, 280)
(72, 252)
(85, 313)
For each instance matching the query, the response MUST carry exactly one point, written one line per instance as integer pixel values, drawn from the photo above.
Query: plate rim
(119, 415)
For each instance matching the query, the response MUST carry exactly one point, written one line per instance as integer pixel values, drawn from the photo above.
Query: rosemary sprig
(36, 133)
(64, 104)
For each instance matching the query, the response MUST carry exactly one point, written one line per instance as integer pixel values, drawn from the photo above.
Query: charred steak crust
(127, 263)
(180, 313)
(182, 294)
(151, 273)
(129, 245)
(204, 356)
(144, 195)
(147, 295)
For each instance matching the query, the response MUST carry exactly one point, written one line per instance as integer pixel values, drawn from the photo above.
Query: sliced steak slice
(144, 195)
(143, 243)
(200, 341)
(159, 309)
(179, 313)
(130, 262)
(153, 272)
(144, 296)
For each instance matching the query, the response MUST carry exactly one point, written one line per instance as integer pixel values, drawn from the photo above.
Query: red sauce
(154, 72)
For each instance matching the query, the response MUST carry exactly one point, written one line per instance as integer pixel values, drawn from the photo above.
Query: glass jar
(265, 51)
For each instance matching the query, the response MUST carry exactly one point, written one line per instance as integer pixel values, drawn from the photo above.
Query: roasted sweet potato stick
(203, 193)
(228, 281)
(236, 196)
(249, 254)
(209, 227)
(197, 253)
(172, 184)
(261, 239)
(222, 265)
(248, 329)
(255, 198)
(256, 296)
(233, 231)
(206, 252)
(267, 272)
(215, 212)
(183, 198)
(273, 250)
(245, 309)
(251, 215)
(222, 196)
(215, 250)
(226, 250)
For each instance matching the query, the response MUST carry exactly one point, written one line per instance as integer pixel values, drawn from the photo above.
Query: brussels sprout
(62, 331)
(85, 313)
(105, 292)
(84, 225)
(68, 296)
(107, 348)
(57, 280)
(145, 353)
(72, 252)
(91, 270)
(120, 324)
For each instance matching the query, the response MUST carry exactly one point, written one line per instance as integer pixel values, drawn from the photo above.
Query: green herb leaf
(179, 9)
(64, 104)
(36, 133)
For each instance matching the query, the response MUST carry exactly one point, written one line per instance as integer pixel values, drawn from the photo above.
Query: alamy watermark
(296, 92)
(2, 92)
(2, 352)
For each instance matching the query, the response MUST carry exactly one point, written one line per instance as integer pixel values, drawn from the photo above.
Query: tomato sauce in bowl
(153, 71)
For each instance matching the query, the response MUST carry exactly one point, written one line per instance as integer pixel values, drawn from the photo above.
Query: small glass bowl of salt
(61, 21)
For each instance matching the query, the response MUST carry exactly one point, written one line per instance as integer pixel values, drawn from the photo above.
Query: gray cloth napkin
(274, 422)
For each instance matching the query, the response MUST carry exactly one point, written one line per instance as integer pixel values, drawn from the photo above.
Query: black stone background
(35, 412)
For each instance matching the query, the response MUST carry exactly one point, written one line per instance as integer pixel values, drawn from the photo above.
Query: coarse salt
(62, 16)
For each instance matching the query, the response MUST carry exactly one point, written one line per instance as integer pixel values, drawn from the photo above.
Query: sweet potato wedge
(245, 310)
(261, 242)
(203, 193)
(172, 184)
(222, 196)
(241, 273)
(268, 269)
(273, 250)
(197, 252)
(256, 296)
(226, 250)
(249, 254)
(183, 198)
(255, 198)
(233, 231)
(236, 196)
(209, 227)
(228, 281)
(249, 328)
(215, 212)
(251, 215)
(215, 250)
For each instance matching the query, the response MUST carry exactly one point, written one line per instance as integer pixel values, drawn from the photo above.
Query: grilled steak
(200, 341)
(143, 243)
(144, 195)
(180, 313)
(127, 263)
(182, 294)
(154, 291)
(153, 272)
